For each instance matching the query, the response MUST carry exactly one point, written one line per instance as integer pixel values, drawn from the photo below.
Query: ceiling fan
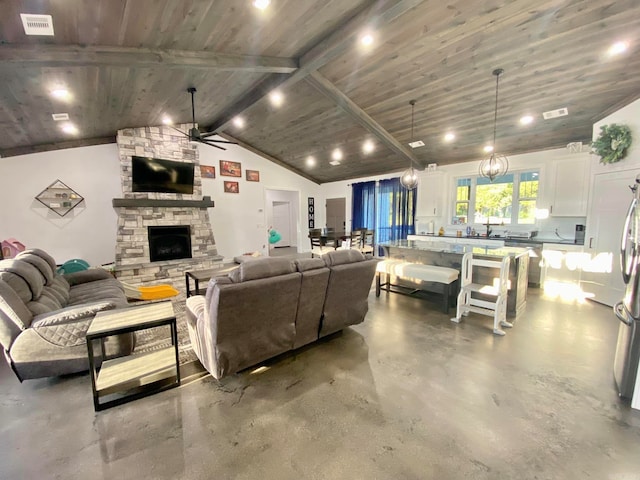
(194, 133)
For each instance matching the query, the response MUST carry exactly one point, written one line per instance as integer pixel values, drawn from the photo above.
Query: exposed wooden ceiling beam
(268, 157)
(333, 45)
(330, 91)
(47, 147)
(69, 55)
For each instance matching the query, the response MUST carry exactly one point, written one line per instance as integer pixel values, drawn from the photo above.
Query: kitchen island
(445, 254)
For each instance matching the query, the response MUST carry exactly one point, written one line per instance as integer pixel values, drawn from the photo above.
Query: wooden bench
(417, 273)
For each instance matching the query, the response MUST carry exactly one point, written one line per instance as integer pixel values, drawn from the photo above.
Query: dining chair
(318, 247)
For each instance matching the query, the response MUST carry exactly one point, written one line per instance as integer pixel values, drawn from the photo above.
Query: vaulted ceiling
(128, 63)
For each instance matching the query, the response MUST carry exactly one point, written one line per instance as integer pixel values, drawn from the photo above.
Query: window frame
(516, 199)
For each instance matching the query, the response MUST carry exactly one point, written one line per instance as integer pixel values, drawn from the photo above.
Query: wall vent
(60, 117)
(37, 24)
(561, 112)
(416, 144)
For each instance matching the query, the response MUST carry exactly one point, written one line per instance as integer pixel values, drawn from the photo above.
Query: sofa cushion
(305, 264)
(44, 304)
(40, 263)
(341, 257)
(14, 315)
(108, 289)
(61, 286)
(42, 254)
(23, 277)
(262, 268)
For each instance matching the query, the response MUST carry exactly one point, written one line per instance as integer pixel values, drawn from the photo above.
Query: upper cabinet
(570, 188)
(430, 191)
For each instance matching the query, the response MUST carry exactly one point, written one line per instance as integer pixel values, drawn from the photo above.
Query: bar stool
(468, 301)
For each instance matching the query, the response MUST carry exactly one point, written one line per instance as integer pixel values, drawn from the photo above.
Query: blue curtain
(363, 206)
(396, 211)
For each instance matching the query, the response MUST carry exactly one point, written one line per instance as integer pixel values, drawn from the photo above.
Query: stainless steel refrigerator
(625, 365)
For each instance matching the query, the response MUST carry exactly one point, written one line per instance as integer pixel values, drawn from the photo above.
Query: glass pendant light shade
(495, 165)
(409, 178)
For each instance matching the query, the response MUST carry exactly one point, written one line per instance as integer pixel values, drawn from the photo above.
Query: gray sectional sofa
(268, 306)
(44, 316)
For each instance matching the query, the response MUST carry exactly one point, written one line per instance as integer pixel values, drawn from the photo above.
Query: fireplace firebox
(169, 242)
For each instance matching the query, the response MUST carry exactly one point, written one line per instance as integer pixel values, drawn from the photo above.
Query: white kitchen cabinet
(602, 276)
(561, 266)
(430, 191)
(570, 190)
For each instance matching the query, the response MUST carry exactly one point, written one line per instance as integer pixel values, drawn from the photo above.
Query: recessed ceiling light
(60, 93)
(238, 122)
(488, 148)
(261, 4)
(526, 120)
(167, 120)
(69, 128)
(368, 146)
(276, 98)
(449, 137)
(366, 39)
(334, 163)
(618, 48)
(336, 155)
(311, 161)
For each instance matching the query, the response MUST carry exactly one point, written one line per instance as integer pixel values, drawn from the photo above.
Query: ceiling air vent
(59, 117)
(335, 163)
(37, 24)
(561, 112)
(416, 144)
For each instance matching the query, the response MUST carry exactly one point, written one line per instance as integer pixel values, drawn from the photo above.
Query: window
(463, 194)
(509, 200)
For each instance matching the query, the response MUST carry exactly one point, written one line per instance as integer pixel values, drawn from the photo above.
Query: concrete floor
(405, 395)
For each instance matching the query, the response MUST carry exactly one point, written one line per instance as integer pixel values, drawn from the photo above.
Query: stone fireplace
(161, 235)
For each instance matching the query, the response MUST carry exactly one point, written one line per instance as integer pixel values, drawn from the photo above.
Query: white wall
(240, 221)
(89, 230)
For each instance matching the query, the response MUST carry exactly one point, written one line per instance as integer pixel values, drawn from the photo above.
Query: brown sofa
(268, 306)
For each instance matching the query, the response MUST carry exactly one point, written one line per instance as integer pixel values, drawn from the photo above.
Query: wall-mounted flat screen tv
(157, 175)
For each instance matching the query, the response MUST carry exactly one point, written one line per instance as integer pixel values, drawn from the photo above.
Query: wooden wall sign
(311, 211)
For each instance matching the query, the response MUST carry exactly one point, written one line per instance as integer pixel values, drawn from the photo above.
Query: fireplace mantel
(206, 202)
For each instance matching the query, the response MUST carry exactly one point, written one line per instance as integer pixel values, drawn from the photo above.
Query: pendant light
(409, 178)
(495, 165)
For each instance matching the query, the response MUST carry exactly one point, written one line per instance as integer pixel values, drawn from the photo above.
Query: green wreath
(612, 144)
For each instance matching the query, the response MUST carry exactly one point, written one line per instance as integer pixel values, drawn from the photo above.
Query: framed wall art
(207, 171)
(231, 187)
(252, 175)
(230, 169)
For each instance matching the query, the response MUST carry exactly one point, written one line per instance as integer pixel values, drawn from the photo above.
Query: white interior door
(282, 223)
(601, 275)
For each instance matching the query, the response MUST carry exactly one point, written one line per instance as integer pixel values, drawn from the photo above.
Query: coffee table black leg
(174, 341)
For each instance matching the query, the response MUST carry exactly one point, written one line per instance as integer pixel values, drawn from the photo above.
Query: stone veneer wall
(132, 245)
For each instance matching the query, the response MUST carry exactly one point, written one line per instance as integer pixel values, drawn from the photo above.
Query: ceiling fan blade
(179, 131)
(210, 143)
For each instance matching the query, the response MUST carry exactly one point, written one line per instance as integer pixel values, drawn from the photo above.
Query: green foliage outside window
(495, 201)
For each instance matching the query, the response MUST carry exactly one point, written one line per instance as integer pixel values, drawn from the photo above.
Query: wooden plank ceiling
(128, 63)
